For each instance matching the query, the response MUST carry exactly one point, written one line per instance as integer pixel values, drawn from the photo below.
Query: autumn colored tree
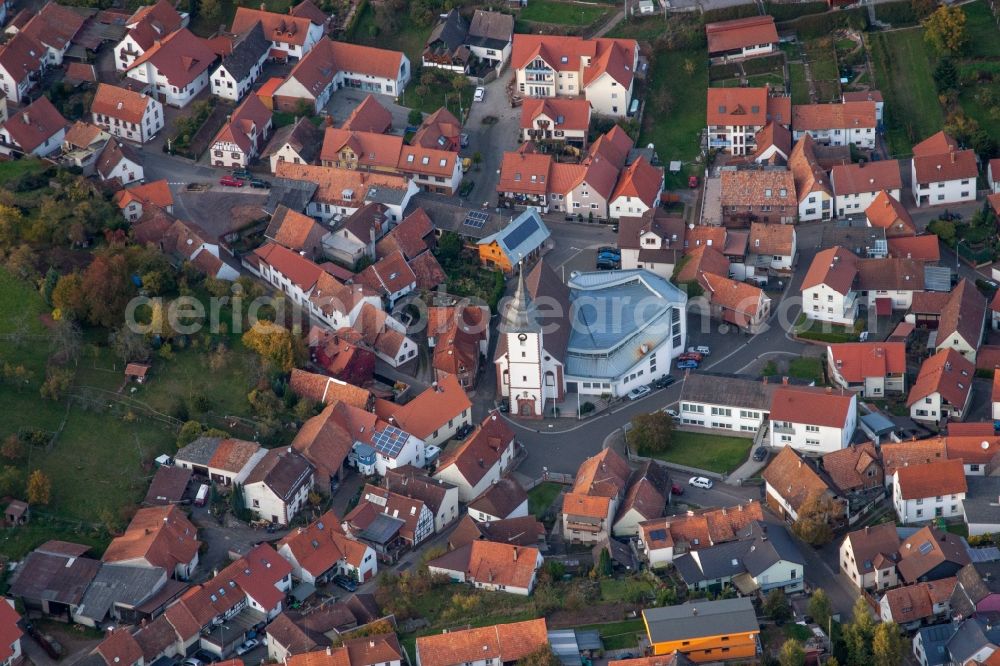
(944, 30)
(820, 608)
(12, 448)
(67, 297)
(792, 653)
(650, 433)
(39, 488)
(859, 634)
(813, 523)
(106, 289)
(887, 645)
(273, 343)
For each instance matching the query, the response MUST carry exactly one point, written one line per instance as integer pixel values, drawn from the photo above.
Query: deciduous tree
(39, 488)
(858, 635)
(106, 289)
(543, 656)
(650, 433)
(944, 30)
(776, 605)
(792, 653)
(887, 645)
(820, 608)
(67, 297)
(273, 343)
(813, 523)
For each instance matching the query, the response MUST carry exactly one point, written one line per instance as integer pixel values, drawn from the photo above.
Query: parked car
(693, 182)
(247, 646)
(260, 184)
(700, 482)
(607, 249)
(676, 489)
(191, 661)
(687, 365)
(230, 181)
(242, 173)
(607, 265)
(690, 356)
(463, 432)
(480, 94)
(664, 381)
(700, 349)
(346, 583)
(463, 140)
(504, 406)
(759, 454)
(638, 392)
(206, 657)
(672, 413)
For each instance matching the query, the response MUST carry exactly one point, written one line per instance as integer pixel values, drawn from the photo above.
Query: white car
(700, 482)
(672, 413)
(480, 94)
(700, 349)
(247, 646)
(639, 392)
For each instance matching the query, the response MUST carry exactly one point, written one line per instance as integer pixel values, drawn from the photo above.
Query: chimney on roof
(25, 118)
(328, 650)
(784, 380)
(515, 553)
(952, 156)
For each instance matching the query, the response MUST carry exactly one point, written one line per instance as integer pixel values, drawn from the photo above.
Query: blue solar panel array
(476, 219)
(389, 442)
(521, 232)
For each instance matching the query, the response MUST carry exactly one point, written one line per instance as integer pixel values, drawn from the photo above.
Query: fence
(553, 477)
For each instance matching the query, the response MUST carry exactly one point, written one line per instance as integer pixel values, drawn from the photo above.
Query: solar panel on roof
(389, 442)
(926, 547)
(476, 219)
(658, 535)
(521, 232)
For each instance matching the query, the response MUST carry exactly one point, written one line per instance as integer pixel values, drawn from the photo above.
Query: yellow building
(520, 241)
(704, 630)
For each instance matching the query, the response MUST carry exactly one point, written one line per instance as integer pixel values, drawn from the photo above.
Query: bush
(815, 26)
(587, 408)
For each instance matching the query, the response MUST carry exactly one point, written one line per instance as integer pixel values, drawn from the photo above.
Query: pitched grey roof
(701, 618)
(971, 636)
(248, 49)
(771, 543)
(296, 194)
(491, 30)
(200, 451)
(976, 581)
(980, 503)
(302, 135)
(935, 641)
(522, 236)
(121, 584)
(730, 390)
(722, 561)
(452, 31)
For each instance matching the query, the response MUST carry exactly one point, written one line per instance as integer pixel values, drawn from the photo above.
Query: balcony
(539, 78)
(782, 428)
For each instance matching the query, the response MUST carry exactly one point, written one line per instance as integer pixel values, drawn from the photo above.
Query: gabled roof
(55, 25)
(874, 547)
(870, 177)
(773, 239)
(438, 130)
(568, 54)
(21, 55)
(283, 471)
(928, 548)
(772, 135)
(162, 536)
(248, 48)
(525, 233)
(939, 143)
(369, 116)
(813, 405)
(113, 154)
(10, 632)
(856, 361)
(948, 374)
(910, 603)
(284, 28)
(754, 187)
(332, 183)
(523, 531)
(484, 449)
(491, 27)
(300, 271)
(793, 478)
(648, 491)
(934, 479)
(294, 230)
(896, 455)
(389, 275)
(127, 105)
(964, 313)
(416, 484)
(886, 212)
(605, 474)
(322, 544)
(922, 248)
(430, 410)
(370, 149)
(741, 298)
(751, 107)
(703, 259)
(492, 563)
(317, 69)
(846, 115)
(953, 165)
(408, 236)
(376, 502)
(669, 228)
(640, 180)
(500, 499)
(55, 571)
(326, 390)
(808, 174)
(168, 485)
(836, 268)
(700, 529)
(502, 642)
(324, 441)
(181, 57)
(155, 193)
(565, 113)
(740, 33)
(83, 135)
(153, 22)
(246, 126)
(303, 136)
(35, 124)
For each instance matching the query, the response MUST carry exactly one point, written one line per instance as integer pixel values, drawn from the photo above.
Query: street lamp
(958, 245)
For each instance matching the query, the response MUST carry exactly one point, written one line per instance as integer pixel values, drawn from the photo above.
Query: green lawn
(562, 13)
(799, 83)
(760, 80)
(822, 60)
(20, 310)
(540, 497)
(715, 453)
(806, 367)
(641, 29)
(619, 635)
(621, 589)
(981, 31)
(675, 112)
(410, 39)
(903, 74)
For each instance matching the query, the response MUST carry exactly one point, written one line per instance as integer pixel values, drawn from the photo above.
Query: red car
(676, 489)
(230, 181)
(692, 182)
(690, 356)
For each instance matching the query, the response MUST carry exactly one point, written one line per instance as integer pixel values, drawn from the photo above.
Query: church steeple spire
(519, 317)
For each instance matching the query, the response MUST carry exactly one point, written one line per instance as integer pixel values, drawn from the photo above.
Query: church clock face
(522, 337)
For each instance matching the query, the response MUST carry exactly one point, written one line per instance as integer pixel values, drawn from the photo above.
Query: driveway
(491, 140)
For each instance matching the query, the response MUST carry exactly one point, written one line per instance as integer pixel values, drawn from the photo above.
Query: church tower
(519, 366)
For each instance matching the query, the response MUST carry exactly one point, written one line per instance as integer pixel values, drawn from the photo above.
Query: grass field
(20, 309)
(822, 60)
(903, 74)
(715, 453)
(619, 635)
(540, 497)
(676, 129)
(562, 13)
(641, 29)
(410, 39)
(799, 83)
(806, 367)
(981, 32)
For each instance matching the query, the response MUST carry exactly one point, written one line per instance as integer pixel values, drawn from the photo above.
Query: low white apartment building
(176, 68)
(126, 114)
(943, 388)
(836, 124)
(813, 420)
(724, 402)
(290, 35)
(929, 491)
(855, 186)
(868, 556)
(735, 115)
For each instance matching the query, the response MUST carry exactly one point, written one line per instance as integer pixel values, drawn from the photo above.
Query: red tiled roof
(181, 57)
(808, 174)
(953, 165)
(928, 548)
(963, 313)
(737, 297)
(370, 149)
(605, 474)
(284, 28)
(484, 449)
(35, 124)
(252, 117)
(870, 543)
(972, 449)
(871, 177)
(322, 544)
(848, 468)
(703, 259)
(740, 33)
(21, 56)
(847, 115)
(156, 193)
(936, 144)
(855, 361)
(575, 112)
(896, 455)
(369, 116)
(885, 212)
(836, 268)
(792, 478)
(813, 405)
(947, 373)
(640, 180)
(568, 53)
(943, 477)
(492, 562)
(738, 106)
(10, 632)
(162, 536)
(504, 643)
(430, 410)
(127, 105)
(922, 248)
(299, 270)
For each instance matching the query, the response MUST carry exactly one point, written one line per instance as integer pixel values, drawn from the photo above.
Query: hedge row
(785, 11)
(730, 13)
(815, 26)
